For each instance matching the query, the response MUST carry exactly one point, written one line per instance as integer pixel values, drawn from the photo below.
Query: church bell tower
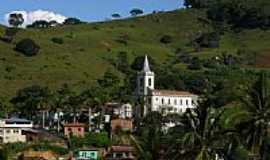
(145, 79)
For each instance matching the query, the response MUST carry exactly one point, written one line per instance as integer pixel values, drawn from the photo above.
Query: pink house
(75, 129)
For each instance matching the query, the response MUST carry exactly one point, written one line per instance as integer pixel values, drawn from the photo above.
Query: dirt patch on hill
(263, 59)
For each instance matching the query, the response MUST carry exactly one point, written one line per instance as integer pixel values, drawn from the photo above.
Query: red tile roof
(74, 125)
(122, 149)
(171, 93)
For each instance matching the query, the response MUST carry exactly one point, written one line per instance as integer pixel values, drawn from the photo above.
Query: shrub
(27, 47)
(195, 64)
(72, 21)
(57, 40)
(166, 39)
(9, 34)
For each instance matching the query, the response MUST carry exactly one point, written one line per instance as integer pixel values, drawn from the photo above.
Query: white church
(164, 101)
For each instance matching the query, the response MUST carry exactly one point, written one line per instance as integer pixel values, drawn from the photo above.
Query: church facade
(164, 101)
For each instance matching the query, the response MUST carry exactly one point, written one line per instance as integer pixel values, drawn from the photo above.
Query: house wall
(125, 124)
(75, 131)
(172, 104)
(11, 135)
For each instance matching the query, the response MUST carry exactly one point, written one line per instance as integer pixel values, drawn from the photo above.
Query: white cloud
(30, 17)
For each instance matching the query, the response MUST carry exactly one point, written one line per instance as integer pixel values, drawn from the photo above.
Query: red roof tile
(171, 93)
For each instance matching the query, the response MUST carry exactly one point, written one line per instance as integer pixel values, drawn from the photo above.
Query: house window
(69, 129)
(8, 131)
(149, 100)
(79, 129)
(16, 131)
(149, 82)
(169, 101)
(175, 102)
(181, 102)
(156, 99)
(162, 101)
(187, 102)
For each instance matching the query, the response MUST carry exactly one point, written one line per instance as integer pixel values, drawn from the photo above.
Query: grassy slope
(81, 59)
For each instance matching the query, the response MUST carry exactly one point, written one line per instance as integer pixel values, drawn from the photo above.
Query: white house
(11, 130)
(165, 101)
(121, 110)
(124, 111)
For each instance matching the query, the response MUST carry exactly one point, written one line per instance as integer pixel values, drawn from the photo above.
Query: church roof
(172, 93)
(146, 67)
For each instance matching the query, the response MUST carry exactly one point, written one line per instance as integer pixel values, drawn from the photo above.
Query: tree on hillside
(39, 24)
(28, 47)
(253, 121)
(15, 19)
(122, 62)
(30, 100)
(5, 108)
(136, 12)
(116, 15)
(72, 21)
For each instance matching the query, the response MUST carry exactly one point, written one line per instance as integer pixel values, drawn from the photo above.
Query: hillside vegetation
(87, 49)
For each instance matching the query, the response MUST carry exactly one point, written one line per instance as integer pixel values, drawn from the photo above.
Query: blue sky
(87, 10)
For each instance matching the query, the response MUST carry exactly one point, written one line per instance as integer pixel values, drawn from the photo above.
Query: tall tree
(136, 12)
(15, 19)
(203, 138)
(148, 143)
(31, 100)
(253, 121)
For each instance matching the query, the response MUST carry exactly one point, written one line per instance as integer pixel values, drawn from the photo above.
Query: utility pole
(89, 118)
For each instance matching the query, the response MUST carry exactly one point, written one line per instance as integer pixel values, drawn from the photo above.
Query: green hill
(82, 58)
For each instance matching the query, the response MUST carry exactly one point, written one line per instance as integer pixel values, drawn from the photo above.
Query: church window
(162, 101)
(149, 82)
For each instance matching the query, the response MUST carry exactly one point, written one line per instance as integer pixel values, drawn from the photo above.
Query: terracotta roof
(122, 149)
(74, 125)
(171, 93)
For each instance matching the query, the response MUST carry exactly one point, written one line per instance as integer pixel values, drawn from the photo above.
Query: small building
(120, 153)
(124, 111)
(118, 110)
(74, 129)
(11, 130)
(120, 123)
(87, 154)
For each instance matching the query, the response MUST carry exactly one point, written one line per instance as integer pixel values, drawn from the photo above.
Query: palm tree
(203, 138)
(253, 121)
(148, 143)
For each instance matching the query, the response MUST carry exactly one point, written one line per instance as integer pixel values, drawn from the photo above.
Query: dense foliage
(28, 47)
(238, 13)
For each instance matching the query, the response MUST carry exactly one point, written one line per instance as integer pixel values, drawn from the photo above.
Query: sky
(86, 10)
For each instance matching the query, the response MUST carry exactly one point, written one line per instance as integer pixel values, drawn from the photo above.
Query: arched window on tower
(149, 82)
